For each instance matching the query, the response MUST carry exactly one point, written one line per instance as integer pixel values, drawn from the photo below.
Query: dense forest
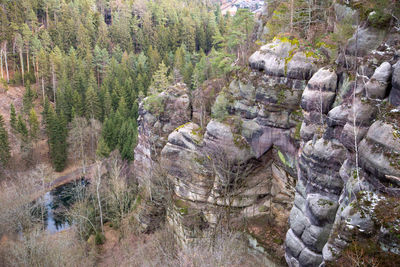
(91, 62)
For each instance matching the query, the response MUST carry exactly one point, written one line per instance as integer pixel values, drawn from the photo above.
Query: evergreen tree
(33, 125)
(28, 98)
(102, 149)
(93, 109)
(77, 105)
(160, 79)
(13, 117)
(4, 143)
(57, 138)
(123, 108)
(127, 139)
(22, 129)
(107, 105)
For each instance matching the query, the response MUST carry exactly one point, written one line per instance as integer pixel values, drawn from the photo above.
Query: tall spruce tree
(33, 125)
(57, 138)
(4, 144)
(13, 117)
(93, 108)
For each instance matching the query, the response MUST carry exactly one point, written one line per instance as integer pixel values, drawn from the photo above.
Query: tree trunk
(355, 130)
(1, 63)
(27, 59)
(43, 89)
(53, 76)
(37, 67)
(34, 68)
(291, 15)
(82, 153)
(47, 16)
(98, 194)
(21, 58)
(5, 59)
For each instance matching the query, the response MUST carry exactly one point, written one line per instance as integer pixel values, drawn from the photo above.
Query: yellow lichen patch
(285, 39)
(181, 126)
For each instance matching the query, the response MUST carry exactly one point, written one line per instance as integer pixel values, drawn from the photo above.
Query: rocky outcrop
(285, 121)
(280, 59)
(237, 169)
(159, 115)
(365, 40)
(347, 164)
(377, 86)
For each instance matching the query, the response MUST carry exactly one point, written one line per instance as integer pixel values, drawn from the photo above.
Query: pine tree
(107, 106)
(13, 117)
(154, 58)
(102, 149)
(33, 125)
(22, 129)
(28, 98)
(57, 138)
(77, 105)
(123, 108)
(93, 109)
(160, 79)
(4, 143)
(127, 140)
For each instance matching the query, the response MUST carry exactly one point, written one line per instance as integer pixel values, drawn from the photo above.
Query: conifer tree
(127, 140)
(102, 149)
(13, 117)
(22, 129)
(123, 108)
(93, 109)
(77, 105)
(33, 125)
(28, 98)
(57, 135)
(4, 144)
(160, 79)
(107, 106)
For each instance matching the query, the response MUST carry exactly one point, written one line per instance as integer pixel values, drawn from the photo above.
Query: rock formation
(291, 144)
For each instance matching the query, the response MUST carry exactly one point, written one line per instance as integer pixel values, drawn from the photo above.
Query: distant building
(254, 6)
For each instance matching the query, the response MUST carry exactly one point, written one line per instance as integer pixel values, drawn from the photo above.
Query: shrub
(99, 238)
(154, 104)
(219, 111)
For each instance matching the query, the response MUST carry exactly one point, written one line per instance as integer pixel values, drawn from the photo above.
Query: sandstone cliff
(294, 149)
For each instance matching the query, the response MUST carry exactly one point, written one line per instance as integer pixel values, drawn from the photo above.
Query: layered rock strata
(348, 165)
(283, 122)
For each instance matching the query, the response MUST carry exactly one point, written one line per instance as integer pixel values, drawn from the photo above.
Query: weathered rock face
(368, 39)
(238, 169)
(159, 115)
(347, 164)
(284, 122)
(280, 59)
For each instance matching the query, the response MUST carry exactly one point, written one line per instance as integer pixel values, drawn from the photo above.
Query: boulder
(376, 87)
(293, 243)
(276, 59)
(315, 237)
(368, 39)
(338, 116)
(322, 208)
(298, 221)
(320, 94)
(309, 258)
(379, 151)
